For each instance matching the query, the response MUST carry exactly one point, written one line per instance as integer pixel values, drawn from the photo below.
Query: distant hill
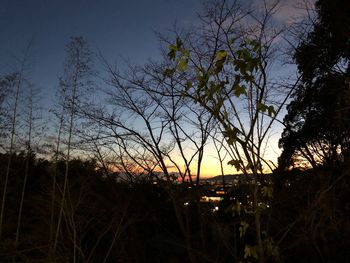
(228, 177)
(231, 177)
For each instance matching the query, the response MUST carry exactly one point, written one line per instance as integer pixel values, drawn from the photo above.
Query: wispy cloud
(287, 11)
(291, 11)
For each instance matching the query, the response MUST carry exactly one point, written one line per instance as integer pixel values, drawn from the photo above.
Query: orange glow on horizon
(210, 166)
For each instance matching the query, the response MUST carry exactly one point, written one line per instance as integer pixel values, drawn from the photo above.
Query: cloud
(291, 11)
(287, 11)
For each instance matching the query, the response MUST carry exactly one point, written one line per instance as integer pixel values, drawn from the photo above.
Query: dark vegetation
(128, 222)
(309, 217)
(102, 189)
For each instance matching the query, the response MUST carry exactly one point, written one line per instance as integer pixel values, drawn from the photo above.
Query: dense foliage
(318, 119)
(115, 222)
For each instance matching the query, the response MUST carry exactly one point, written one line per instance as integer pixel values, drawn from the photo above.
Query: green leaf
(231, 135)
(168, 72)
(173, 49)
(264, 108)
(248, 77)
(220, 58)
(261, 107)
(271, 111)
(239, 90)
(239, 65)
(236, 163)
(221, 55)
(172, 52)
(182, 65)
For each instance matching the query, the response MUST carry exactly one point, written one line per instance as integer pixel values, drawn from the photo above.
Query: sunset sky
(119, 29)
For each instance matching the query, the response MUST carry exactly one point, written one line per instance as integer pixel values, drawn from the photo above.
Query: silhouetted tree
(76, 82)
(6, 92)
(224, 67)
(32, 129)
(310, 205)
(14, 82)
(318, 120)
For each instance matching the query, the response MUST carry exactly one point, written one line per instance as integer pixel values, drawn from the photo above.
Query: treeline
(137, 222)
(103, 221)
(77, 186)
(106, 221)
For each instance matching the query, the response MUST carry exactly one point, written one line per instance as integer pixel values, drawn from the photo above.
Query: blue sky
(117, 28)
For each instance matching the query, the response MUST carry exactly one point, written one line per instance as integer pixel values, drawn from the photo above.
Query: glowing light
(207, 199)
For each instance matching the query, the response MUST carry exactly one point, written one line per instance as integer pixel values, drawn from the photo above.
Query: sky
(118, 28)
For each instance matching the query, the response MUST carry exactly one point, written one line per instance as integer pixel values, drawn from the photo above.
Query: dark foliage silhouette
(318, 119)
